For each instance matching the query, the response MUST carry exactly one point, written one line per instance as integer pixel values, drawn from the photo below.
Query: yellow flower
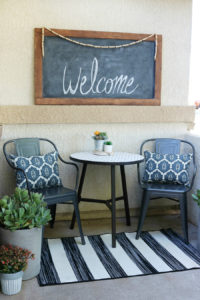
(97, 132)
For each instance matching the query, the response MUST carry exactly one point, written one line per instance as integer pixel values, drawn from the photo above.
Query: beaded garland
(99, 46)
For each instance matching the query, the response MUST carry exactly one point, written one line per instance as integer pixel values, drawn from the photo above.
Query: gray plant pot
(198, 232)
(30, 239)
(98, 145)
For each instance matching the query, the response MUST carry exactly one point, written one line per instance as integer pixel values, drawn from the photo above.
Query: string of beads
(99, 46)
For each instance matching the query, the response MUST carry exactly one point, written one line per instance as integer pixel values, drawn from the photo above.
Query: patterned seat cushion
(42, 171)
(167, 168)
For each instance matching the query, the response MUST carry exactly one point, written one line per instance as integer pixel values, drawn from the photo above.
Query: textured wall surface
(59, 114)
(172, 19)
(72, 137)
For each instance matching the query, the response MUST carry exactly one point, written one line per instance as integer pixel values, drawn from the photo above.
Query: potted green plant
(13, 261)
(196, 198)
(22, 217)
(99, 139)
(108, 147)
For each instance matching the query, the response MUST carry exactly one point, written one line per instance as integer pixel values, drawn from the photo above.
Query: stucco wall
(172, 19)
(72, 137)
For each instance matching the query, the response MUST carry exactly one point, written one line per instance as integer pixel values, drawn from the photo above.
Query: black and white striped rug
(66, 260)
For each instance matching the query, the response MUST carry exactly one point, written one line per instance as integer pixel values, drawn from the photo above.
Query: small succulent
(108, 143)
(196, 197)
(23, 211)
(100, 135)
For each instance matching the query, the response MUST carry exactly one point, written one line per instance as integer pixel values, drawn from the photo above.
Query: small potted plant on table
(13, 261)
(108, 147)
(99, 139)
(22, 217)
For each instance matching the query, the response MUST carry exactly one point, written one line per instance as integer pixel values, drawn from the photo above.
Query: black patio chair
(22, 149)
(156, 189)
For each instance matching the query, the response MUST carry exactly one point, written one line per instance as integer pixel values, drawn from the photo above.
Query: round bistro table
(117, 159)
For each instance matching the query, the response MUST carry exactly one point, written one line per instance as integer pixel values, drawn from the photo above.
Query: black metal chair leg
(53, 214)
(183, 208)
(113, 206)
(79, 194)
(145, 203)
(76, 209)
(73, 220)
(125, 195)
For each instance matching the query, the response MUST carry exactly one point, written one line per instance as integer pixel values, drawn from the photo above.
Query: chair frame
(150, 193)
(55, 148)
(52, 206)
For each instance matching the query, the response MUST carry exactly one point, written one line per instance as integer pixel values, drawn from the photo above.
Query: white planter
(98, 145)
(108, 148)
(11, 283)
(30, 239)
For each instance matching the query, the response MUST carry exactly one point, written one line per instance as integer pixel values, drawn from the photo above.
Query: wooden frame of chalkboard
(47, 94)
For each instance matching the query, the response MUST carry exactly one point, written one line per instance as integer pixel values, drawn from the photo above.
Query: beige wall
(75, 137)
(172, 19)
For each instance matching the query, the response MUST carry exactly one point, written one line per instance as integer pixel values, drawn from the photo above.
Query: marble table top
(116, 158)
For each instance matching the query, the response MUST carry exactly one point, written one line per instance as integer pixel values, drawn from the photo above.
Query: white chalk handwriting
(120, 84)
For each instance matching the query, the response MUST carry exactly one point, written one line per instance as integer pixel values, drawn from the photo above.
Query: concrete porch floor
(176, 285)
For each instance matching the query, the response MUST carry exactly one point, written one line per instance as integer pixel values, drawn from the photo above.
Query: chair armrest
(19, 169)
(13, 167)
(193, 177)
(76, 167)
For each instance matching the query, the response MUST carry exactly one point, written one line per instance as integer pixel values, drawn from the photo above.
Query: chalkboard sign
(84, 67)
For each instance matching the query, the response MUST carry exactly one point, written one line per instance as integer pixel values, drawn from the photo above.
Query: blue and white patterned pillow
(167, 168)
(42, 171)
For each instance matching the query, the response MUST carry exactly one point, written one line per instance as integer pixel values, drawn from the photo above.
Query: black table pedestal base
(111, 203)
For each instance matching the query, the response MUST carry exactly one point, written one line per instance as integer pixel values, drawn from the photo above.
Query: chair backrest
(171, 146)
(165, 146)
(27, 147)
